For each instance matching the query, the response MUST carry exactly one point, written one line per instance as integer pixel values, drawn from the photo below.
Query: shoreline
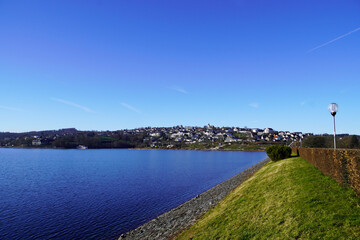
(210, 149)
(171, 223)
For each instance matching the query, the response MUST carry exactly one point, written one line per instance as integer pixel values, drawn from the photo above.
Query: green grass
(244, 147)
(198, 147)
(289, 199)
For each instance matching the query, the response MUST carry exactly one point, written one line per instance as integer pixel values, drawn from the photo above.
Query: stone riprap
(172, 222)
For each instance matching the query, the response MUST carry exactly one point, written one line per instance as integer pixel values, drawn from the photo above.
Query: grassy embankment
(289, 199)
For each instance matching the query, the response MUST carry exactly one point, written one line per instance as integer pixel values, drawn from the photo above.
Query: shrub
(276, 152)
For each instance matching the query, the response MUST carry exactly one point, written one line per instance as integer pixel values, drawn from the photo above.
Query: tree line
(319, 141)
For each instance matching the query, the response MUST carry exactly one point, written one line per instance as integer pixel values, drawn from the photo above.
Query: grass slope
(289, 199)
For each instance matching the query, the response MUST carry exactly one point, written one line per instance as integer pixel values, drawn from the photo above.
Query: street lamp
(333, 107)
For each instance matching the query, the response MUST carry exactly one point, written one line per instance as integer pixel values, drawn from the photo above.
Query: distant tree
(354, 142)
(347, 142)
(316, 142)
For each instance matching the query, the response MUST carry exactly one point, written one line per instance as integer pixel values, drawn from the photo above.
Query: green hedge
(276, 152)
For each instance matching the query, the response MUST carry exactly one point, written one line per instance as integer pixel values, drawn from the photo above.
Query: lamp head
(333, 108)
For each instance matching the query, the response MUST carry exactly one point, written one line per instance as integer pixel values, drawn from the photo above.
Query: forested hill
(68, 138)
(60, 132)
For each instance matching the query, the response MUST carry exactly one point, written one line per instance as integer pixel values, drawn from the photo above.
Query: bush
(276, 152)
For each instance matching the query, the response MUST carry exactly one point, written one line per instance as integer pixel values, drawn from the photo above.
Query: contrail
(179, 89)
(72, 104)
(340, 37)
(254, 105)
(10, 108)
(130, 107)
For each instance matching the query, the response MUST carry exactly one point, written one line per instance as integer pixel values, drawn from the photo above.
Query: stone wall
(172, 222)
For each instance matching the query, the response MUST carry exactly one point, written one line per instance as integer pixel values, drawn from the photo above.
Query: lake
(99, 194)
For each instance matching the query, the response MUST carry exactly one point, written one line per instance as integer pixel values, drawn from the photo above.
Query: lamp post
(333, 107)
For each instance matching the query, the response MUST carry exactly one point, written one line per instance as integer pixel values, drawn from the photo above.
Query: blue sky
(108, 65)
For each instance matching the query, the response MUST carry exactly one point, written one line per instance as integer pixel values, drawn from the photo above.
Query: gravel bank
(172, 222)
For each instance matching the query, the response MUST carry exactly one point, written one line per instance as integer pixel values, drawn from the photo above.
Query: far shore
(208, 149)
(149, 148)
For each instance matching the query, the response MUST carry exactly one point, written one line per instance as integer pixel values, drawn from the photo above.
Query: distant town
(177, 137)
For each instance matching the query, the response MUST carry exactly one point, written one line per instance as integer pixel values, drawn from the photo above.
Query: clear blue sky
(108, 65)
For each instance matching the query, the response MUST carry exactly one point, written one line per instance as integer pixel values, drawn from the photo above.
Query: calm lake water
(99, 194)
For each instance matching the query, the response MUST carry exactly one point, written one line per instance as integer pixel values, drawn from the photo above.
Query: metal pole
(334, 133)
